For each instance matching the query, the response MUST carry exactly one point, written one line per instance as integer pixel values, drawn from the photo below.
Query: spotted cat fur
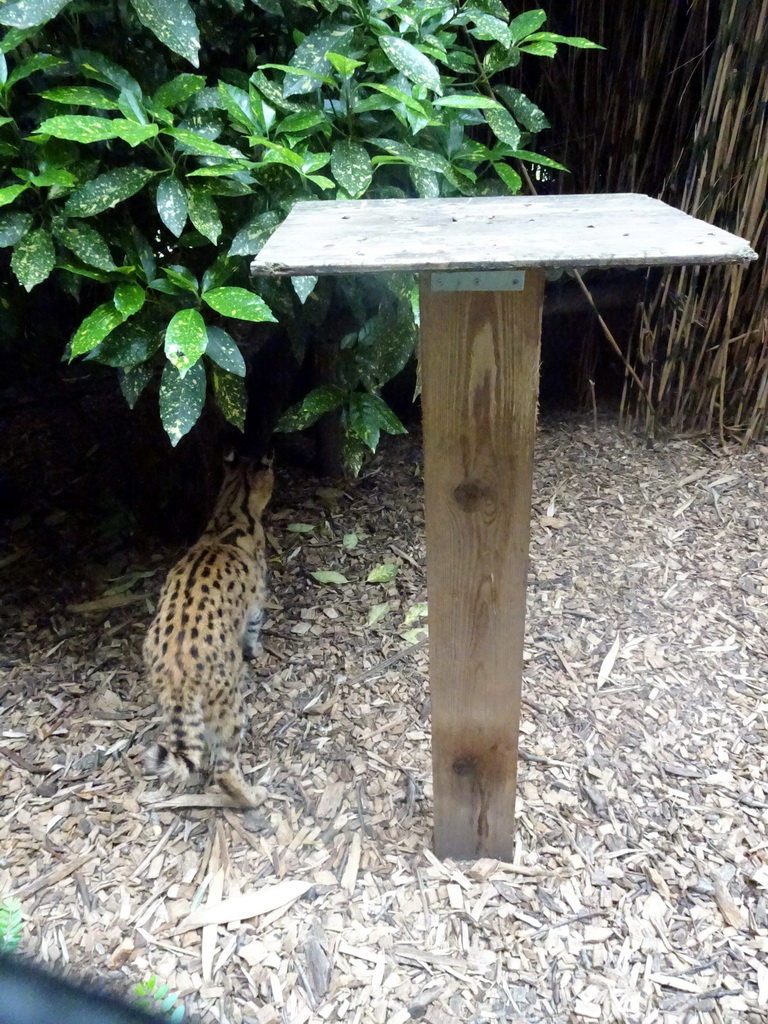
(209, 614)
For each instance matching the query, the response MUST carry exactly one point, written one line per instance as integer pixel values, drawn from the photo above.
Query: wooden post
(480, 372)
(480, 368)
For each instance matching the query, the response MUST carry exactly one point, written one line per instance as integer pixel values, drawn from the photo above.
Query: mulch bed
(638, 887)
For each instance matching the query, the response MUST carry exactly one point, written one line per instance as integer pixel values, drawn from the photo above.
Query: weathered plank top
(492, 233)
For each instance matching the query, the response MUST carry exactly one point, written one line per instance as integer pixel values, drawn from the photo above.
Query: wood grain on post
(480, 371)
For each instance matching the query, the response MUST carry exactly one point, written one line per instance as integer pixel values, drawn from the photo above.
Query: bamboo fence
(676, 108)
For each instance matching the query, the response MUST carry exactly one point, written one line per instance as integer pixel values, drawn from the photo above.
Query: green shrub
(149, 148)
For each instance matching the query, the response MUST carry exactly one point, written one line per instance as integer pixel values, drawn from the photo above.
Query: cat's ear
(230, 457)
(268, 460)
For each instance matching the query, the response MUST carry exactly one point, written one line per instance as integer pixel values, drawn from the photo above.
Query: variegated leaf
(351, 167)
(173, 22)
(181, 400)
(107, 191)
(185, 340)
(33, 258)
(172, 205)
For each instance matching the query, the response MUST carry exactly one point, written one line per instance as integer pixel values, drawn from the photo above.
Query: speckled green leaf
(489, 27)
(182, 277)
(80, 96)
(129, 298)
(304, 285)
(310, 55)
(523, 110)
(383, 573)
(231, 396)
(3, 72)
(199, 144)
(219, 272)
(178, 89)
(351, 167)
(411, 62)
(128, 345)
(427, 182)
(329, 576)
(318, 402)
(85, 128)
(368, 414)
(411, 155)
(53, 176)
(133, 380)
(495, 7)
(185, 339)
(503, 126)
(346, 66)
(399, 97)
(509, 176)
(35, 62)
(27, 13)
(222, 349)
(173, 22)
(320, 180)
(181, 400)
(499, 57)
(239, 303)
(87, 243)
(14, 226)
(282, 154)
(107, 191)
(95, 65)
(301, 121)
(132, 106)
(378, 612)
(300, 71)
(362, 420)
(538, 49)
(353, 452)
(33, 258)
(96, 326)
(222, 170)
(249, 239)
(14, 37)
(204, 214)
(579, 42)
(387, 419)
(466, 101)
(537, 158)
(9, 193)
(64, 263)
(387, 347)
(524, 24)
(172, 205)
(272, 94)
(238, 105)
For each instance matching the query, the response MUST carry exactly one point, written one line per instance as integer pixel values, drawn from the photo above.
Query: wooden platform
(492, 233)
(482, 283)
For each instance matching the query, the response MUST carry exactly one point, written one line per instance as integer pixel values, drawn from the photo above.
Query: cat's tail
(183, 751)
(169, 763)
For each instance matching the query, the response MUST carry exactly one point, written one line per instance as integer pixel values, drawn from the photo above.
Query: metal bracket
(478, 281)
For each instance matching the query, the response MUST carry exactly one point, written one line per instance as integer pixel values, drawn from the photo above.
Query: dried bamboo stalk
(675, 108)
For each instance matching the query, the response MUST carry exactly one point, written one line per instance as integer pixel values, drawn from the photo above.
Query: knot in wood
(471, 494)
(465, 766)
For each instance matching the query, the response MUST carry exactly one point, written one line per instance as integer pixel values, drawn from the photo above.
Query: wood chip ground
(638, 892)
